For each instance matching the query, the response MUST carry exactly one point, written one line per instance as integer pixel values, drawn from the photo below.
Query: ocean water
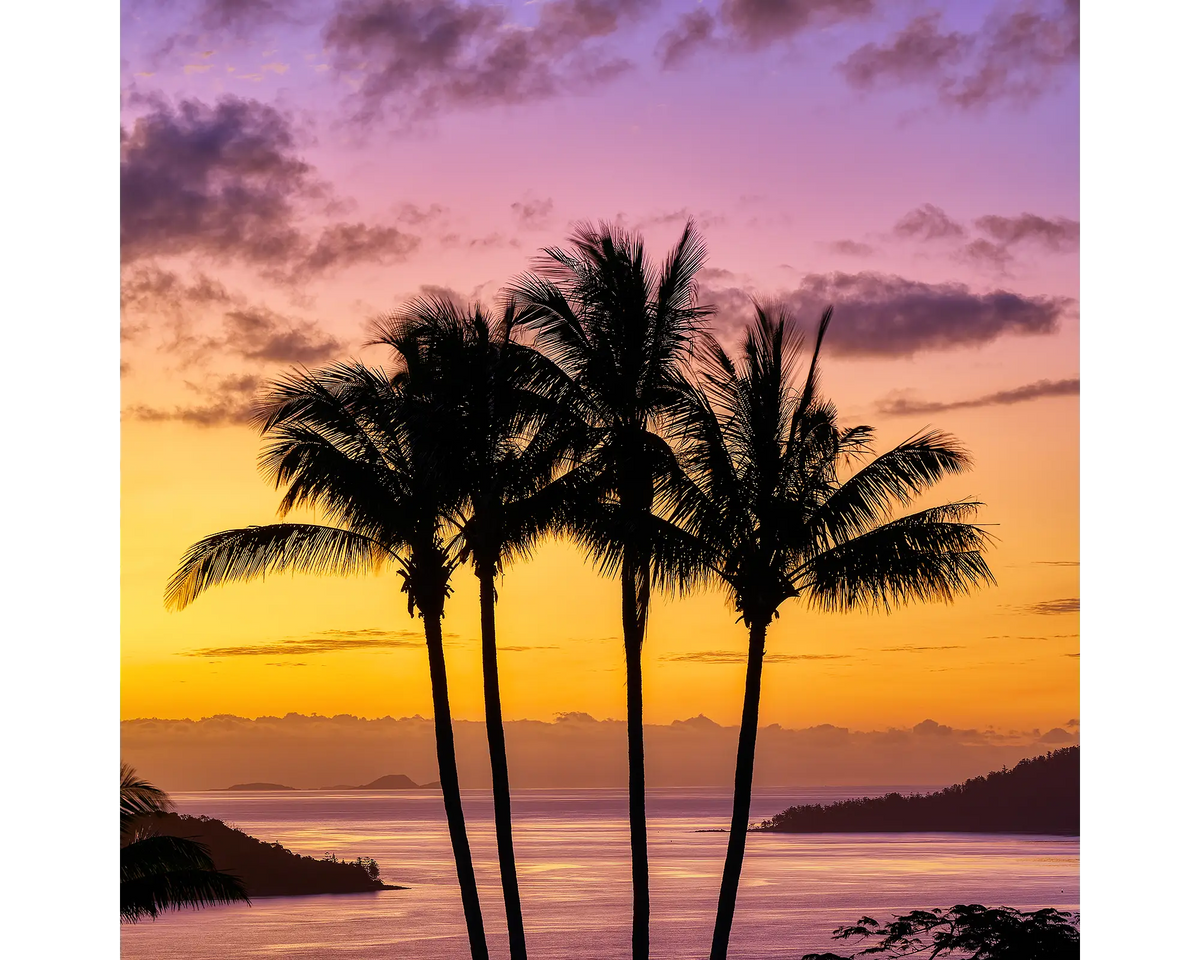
(573, 864)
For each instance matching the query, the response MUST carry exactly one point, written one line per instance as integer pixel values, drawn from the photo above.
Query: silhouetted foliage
(161, 872)
(775, 508)
(269, 869)
(491, 409)
(1038, 795)
(336, 441)
(622, 328)
(965, 932)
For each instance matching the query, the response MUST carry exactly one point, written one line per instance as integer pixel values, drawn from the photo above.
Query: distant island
(1038, 795)
(259, 786)
(394, 781)
(269, 869)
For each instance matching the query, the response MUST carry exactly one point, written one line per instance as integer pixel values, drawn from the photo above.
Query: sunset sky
(291, 170)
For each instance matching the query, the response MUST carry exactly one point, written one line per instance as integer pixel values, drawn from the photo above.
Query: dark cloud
(226, 181)
(932, 728)
(347, 244)
(533, 214)
(413, 215)
(886, 315)
(757, 23)
(928, 222)
(1073, 722)
(324, 641)
(257, 333)
(985, 253)
(1056, 563)
(229, 401)
(1072, 655)
(917, 53)
(899, 406)
(851, 248)
(419, 57)
(750, 25)
(694, 31)
(237, 17)
(223, 180)
(150, 289)
(1015, 57)
(1065, 605)
(1059, 233)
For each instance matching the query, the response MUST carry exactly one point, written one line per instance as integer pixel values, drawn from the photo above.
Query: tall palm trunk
(443, 728)
(635, 596)
(743, 782)
(500, 795)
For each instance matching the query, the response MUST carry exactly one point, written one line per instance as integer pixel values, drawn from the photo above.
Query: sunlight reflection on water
(573, 861)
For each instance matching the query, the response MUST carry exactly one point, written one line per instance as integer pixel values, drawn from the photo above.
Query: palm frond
(930, 555)
(139, 797)
(895, 478)
(252, 552)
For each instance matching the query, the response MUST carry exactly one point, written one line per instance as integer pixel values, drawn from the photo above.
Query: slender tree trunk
(448, 773)
(743, 782)
(635, 587)
(500, 795)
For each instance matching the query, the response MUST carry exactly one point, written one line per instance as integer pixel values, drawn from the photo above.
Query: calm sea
(573, 859)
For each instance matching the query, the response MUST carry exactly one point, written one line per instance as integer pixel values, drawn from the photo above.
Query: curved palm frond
(253, 552)
(931, 555)
(139, 797)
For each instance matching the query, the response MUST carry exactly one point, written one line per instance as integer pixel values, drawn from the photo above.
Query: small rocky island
(393, 781)
(259, 786)
(1038, 795)
(269, 869)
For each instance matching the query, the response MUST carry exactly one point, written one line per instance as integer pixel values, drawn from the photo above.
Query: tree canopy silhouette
(622, 329)
(771, 511)
(966, 931)
(494, 411)
(337, 442)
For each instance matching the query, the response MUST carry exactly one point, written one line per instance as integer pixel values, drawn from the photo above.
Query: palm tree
(494, 411)
(336, 441)
(622, 329)
(163, 873)
(775, 519)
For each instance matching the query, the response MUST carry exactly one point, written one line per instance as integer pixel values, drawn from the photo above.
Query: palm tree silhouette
(775, 520)
(622, 328)
(337, 442)
(494, 411)
(163, 873)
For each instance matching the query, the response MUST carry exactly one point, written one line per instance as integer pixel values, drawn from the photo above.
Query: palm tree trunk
(634, 601)
(501, 801)
(743, 782)
(443, 728)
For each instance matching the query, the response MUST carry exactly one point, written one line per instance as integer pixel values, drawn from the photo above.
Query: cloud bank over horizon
(575, 751)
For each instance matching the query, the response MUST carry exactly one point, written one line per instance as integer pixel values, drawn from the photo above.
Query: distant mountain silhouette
(393, 781)
(268, 869)
(1039, 795)
(259, 786)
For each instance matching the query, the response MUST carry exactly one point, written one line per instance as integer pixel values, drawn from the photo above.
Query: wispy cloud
(909, 648)
(1017, 56)
(1065, 605)
(418, 58)
(902, 406)
(732, 656)
(324, 641)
